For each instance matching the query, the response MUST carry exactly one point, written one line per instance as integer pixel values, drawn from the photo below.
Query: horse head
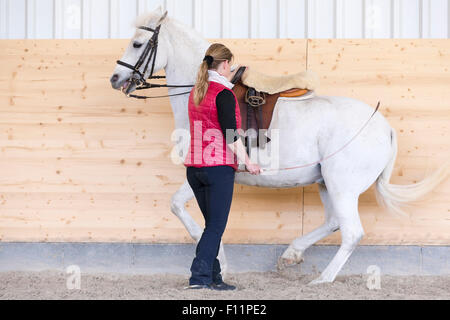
(145, 54)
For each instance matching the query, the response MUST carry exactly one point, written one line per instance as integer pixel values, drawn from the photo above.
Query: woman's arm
(238, 148)
(225, 104)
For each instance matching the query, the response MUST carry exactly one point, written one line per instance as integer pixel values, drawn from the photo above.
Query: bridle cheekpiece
(149, 54)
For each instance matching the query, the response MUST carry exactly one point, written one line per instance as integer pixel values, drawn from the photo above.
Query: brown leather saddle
(257, 109)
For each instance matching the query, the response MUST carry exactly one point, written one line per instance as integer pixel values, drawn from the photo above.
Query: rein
(324, 158)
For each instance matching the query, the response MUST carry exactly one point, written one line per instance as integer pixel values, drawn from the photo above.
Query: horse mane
(149, 18)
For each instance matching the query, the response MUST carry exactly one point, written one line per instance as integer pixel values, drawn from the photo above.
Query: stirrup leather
(255, 98)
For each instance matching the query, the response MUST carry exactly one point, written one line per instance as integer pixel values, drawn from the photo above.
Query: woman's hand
(253, 168)
(235, 69)
(239, 149)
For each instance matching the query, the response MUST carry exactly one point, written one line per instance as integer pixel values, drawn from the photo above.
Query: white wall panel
(379, 18)
(264, 19)
(409, 18)
(95, 19)
(236, 19)
(293, 19)
(208, 18)
(349, 19)
(17, 22)
(42, 17)
(322, 19)
(127, 12)
(68, 17)
(435, 18)
(182, 10)
(144, 6)
(4, 19)
(230, 18)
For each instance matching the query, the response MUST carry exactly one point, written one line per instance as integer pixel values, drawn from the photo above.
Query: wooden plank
(271, 56)
(401, 73)
(141, 217)
(70, 146)
(411, 79)
(271, 216)
(81, 162)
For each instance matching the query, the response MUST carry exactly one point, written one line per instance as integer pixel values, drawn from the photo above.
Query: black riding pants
(213, 189)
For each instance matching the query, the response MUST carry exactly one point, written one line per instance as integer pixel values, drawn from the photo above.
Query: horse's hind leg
(346, 210)
(178, 202)
(293, 254)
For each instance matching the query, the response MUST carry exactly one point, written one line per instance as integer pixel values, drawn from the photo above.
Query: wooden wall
(81, 162)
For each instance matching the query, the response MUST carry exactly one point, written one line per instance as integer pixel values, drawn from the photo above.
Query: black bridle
(137, 78)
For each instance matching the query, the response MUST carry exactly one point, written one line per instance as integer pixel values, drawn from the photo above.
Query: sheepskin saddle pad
(276, 84)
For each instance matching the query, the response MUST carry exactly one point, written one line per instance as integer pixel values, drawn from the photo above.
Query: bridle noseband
(137, 78)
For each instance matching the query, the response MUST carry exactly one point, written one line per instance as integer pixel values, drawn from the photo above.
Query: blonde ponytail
(201, 85)
(219, 53)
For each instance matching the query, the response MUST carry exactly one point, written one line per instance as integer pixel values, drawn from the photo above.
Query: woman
(211, 161)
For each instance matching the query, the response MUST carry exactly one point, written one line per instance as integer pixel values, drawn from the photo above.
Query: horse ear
(162, 18)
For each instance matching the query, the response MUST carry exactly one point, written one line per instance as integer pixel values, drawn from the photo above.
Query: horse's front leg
(177, 206)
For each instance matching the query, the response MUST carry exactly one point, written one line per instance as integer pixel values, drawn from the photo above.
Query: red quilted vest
(208, 145)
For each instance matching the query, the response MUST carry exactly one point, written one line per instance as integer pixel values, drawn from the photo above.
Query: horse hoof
(318, 281)
(285, 262)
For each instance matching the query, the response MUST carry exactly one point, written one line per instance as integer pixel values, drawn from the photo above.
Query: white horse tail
(393, 196)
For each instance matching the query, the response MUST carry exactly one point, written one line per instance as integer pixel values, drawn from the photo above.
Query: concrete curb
(133, 258)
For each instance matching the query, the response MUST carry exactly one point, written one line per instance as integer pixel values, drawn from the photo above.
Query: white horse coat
(309, 130)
